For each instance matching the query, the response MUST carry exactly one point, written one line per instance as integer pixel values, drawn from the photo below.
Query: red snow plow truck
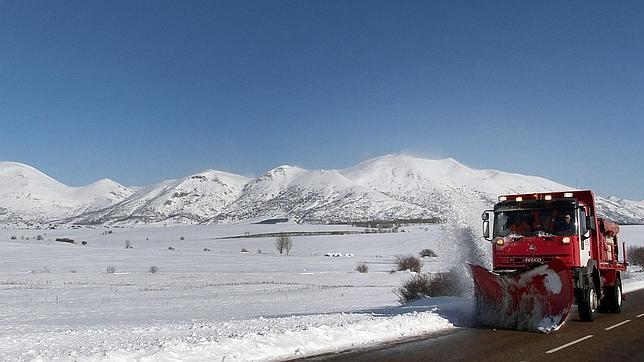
(549, 249)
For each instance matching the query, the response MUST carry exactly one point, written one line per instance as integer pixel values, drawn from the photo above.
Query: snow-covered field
(100, 301)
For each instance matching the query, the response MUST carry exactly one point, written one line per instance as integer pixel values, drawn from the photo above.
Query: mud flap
(538, 299)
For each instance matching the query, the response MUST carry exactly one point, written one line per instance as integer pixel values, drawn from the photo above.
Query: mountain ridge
(383, 188)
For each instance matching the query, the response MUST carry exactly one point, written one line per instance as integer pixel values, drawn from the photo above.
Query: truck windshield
(540, 222)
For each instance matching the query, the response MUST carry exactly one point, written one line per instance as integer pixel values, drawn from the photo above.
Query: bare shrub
(110, 269)
(259, 251)
(44, 269)
(206, 249)
(636, 255)
(153, 269)
(284, 244)
(447, 284)
(408, 262)
(39, 237)
(128, 245)
(427, 253)
(244, 250)
(170, 248)
(415, 288)
(13, 237)
(362, 268)
(426, 285)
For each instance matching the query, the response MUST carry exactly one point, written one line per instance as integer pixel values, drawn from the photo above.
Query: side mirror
(586, 235)
(486, 224)
(591, 223)
(486, 230)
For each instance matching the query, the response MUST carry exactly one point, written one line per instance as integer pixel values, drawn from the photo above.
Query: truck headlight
(499, 241)
(565, 240)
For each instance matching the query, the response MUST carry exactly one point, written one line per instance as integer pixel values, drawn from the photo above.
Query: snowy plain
(208, 300)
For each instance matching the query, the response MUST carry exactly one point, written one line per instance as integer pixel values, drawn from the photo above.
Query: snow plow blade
(537, 299)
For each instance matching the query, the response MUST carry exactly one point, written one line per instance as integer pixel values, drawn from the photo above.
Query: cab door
(584, 242)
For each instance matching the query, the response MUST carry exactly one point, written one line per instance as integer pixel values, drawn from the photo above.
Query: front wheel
(614, 297)
(587, 303)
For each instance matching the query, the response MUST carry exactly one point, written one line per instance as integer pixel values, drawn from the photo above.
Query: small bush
(84, 242)
(182, 238)
(128, 245)
(427, 253)
(259, 251)
(170, 248)
(425, 285)
(415, 288)
(244, 250)
(13, 237)
(43, 270)
(153, 269)
(362, 268)
(206, 249)
(446, 284)
(284, 244)
(636, 255)
(110, 269)
(411, 263)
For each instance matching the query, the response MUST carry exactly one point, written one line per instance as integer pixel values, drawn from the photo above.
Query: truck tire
(587, 303)
(614, 297)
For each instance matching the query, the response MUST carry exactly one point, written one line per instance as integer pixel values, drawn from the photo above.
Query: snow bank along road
(611, 337)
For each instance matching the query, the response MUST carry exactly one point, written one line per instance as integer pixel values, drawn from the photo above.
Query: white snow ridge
(385, 188)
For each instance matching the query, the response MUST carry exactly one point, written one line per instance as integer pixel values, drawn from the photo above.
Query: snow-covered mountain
(626, 211)
(316, 196)
(29, 196)
(435, 184)
(192, 200)
(384, 188)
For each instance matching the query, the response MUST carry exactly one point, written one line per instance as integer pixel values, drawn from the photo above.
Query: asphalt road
(611, 337)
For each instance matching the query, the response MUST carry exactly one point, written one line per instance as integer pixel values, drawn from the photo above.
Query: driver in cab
(519, 226)
(565, 225)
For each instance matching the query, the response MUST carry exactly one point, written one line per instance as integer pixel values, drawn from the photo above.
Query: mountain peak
(282, 172)
(10, 169)
(106, 182)
(399, 160)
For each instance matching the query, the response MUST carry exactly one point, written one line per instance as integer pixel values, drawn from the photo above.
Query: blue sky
(141, 91)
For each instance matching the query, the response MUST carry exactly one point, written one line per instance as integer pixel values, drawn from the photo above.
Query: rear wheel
(587, 303)
(614, 297)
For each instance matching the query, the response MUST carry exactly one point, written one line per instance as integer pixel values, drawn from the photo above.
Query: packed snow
(188, 293)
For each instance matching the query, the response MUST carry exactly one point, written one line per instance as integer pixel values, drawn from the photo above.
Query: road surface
(611, 337)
